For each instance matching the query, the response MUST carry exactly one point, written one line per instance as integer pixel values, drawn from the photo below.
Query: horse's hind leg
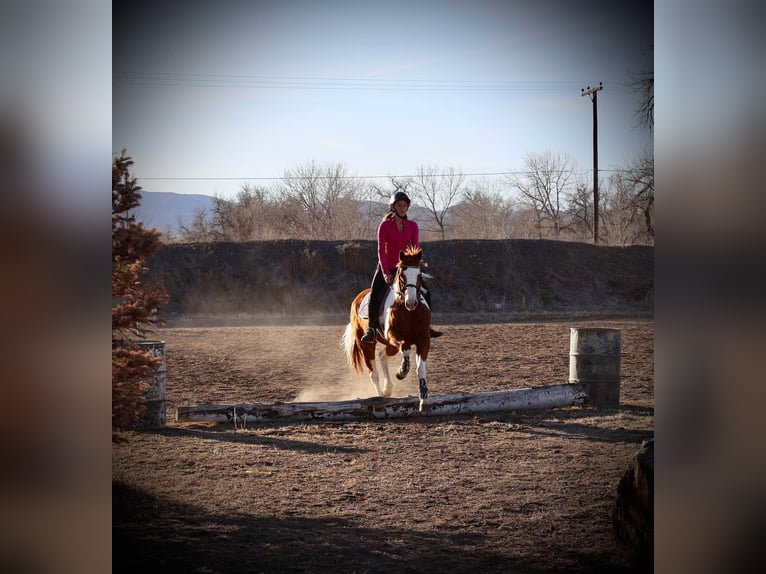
(374, 381)
(389, 387)
(369, 361)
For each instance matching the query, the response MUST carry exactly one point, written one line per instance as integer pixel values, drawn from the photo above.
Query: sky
(208, 96)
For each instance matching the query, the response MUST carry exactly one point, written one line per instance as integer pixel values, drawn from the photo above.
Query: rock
(633, 511)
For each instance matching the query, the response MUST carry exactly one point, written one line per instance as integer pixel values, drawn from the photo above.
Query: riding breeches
(377, 289)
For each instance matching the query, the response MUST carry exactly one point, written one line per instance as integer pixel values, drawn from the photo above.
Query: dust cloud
(347, 389)
(344, 385)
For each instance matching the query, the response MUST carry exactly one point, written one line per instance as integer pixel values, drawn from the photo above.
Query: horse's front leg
(404, 368)
(422, 387)
(388, 386)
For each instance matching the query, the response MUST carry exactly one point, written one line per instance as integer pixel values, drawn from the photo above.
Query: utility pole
(593, 93)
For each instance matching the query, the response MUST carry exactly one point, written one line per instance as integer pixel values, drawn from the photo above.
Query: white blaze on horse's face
(411, 276)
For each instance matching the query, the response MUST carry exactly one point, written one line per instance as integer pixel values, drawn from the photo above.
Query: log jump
(594, 379)
(390, 408)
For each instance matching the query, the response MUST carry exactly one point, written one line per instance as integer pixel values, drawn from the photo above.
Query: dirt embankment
(468, 276)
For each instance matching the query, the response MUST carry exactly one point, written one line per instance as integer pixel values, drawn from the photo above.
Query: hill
(304, 278)
(165, 211)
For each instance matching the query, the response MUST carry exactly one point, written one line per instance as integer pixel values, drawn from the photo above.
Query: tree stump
(633, 511)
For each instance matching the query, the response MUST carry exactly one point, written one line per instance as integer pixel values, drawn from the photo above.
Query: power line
(477, 174)
(324, 83)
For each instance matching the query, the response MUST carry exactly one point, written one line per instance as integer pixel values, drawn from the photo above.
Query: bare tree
(619, 218)
(631, 202)
(199, 229)
(257, 215)
(437, 189)
(311, 202)
(580, 211)
(215, 224)
(316, 200)
(525, 223)
(253, 214)
(644, 85)
(483, 213)
(224, 220)
(544, 187)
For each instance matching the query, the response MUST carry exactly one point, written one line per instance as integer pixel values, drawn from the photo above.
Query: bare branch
(544, 187)
(437, 189)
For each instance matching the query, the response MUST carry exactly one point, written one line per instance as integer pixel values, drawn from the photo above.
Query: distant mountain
(166, 211)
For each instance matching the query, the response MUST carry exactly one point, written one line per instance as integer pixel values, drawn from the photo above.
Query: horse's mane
(409, 254)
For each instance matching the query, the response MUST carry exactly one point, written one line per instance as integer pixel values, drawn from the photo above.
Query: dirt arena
(527, 491)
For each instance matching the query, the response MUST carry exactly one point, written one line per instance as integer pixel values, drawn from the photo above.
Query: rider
(395, 233)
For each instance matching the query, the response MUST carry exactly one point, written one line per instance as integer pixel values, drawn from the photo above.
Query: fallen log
(389, 408)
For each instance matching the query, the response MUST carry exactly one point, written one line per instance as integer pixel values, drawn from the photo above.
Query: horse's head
(408, 277)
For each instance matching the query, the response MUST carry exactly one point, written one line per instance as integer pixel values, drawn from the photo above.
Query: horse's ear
(401, 256)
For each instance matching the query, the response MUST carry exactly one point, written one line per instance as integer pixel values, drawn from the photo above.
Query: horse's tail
(350, 342)
(353, 352)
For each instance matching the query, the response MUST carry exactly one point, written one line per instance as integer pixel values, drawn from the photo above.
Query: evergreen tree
(134, 304)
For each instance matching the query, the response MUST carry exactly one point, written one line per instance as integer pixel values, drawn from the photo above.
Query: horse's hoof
(388, 391)
(423, 389)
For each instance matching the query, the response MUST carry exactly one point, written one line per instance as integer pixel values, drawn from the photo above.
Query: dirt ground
(527, 491)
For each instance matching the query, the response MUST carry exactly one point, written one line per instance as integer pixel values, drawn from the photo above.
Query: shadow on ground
(156, 534)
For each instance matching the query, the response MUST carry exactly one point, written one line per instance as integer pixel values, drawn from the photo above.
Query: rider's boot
(372, 306)
(372, 322)
(427, 294)
(369, 336)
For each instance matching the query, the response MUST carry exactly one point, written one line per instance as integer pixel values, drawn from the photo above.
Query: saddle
(364, 304)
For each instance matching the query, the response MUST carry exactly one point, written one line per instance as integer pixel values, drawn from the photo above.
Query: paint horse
(405, 321)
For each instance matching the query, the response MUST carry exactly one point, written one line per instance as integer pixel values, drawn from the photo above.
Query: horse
(406, 321)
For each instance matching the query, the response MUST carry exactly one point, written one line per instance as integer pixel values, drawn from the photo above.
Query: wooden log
(389, 408)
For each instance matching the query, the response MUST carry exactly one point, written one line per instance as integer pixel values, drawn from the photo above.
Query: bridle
(401, 286)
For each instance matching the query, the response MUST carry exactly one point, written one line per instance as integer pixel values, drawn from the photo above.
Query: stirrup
(435, 333)
(369, 336)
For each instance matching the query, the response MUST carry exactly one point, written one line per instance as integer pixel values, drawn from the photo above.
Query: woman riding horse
(395, 233)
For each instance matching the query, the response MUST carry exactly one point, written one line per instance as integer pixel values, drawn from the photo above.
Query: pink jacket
(391, 241)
